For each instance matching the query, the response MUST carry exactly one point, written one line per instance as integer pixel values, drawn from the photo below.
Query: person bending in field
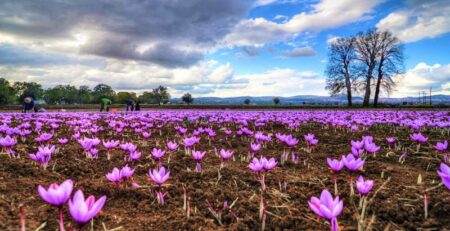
(28, 105)
(130, 104)
(105, 103)
(137, 106)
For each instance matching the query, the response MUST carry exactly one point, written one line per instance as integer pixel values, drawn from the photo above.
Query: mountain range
(313, 100)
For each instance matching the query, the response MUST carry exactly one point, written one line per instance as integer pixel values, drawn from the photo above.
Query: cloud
(282, 82)
(259, 3)
(325, 14)
(423, 77)
(419, 20)
(299, 52)
(130, 30)
(221, 74)
(251, 50)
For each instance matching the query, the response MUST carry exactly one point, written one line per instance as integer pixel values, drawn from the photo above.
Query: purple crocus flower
(364, 186)
(418, 137)
(44, 137)
(371, 147)
(357, 144)
(256, 165)
(172, 146)
(83, 210)
(63, 140)
(115, 176)
(158, 153)
(110, 144)
(335, 165)
(126, 172)
(225, 154)
(441, 146)
(390, 140)
(351, 163)
(269, 164)
(159, 176)
(255, 147)
(56, 195)
(198, 155)
(135, 155)
(327, 207)
(444, 173)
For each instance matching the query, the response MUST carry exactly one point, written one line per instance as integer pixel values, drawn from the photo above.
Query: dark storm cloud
(195, 23)
(18, 56)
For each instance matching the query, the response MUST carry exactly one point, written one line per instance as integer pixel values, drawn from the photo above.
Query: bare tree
(367, 49)
(340, 61)
(390, 63)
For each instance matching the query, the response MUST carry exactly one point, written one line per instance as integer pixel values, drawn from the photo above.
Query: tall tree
(340, 66)
(390, 62)
(161, 95)
(25, 89)
(6, 92)
(187, 98)
(84, 95)
(367, 50)
(147, 97)
(276, 100)
(123, 96)
(103, 91)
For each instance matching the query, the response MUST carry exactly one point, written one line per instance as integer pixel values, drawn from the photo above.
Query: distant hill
(309, 99)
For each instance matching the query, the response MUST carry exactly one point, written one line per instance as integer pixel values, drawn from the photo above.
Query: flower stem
(61, 219)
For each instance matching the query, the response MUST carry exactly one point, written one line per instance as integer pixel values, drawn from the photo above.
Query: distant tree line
(14, 93)
(364, 63)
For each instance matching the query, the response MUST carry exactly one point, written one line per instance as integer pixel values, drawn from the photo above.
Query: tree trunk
(348, 85)
(377, 89)
(367, 94)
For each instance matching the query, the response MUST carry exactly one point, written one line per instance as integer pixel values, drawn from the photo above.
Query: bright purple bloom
(444, 173)
(63, 140)
(225, 154)
(44, 137)
(198, 155)
(418, 137)
(159, 176)
(441, 147)
(364, 186)
(172, 146)
(255, 147)
(110, 144)
(82, 210)
(371, 147)
(269, 164)
(126, 172)
(114, 176)
(158, 153)
(357, 144)
(56, 195)
(390, 140)
(256, 165)
(327, 207)
(351, 163)
(335, 165)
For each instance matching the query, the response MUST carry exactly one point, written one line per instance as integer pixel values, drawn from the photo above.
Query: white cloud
(325, 14)
(421, 20)
(281, 82)
(421, 78)
(299, 52)
(221, 74)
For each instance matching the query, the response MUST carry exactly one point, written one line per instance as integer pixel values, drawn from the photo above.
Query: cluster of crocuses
(159, 175)
(365, 146)
(43, 155)
(7, 144)
(261, 166)
(419, 139)
(311, 141)
(89, 146)
(120, 177)
(80, 208)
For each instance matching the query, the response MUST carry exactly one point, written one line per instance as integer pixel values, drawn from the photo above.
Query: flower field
(225, 170)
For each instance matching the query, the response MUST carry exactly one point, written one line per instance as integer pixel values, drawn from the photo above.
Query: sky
(214, 47)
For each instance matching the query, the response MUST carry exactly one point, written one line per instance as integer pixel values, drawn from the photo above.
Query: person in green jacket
(105, 103)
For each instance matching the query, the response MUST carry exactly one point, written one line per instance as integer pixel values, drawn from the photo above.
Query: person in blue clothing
(29, 105)
(130, 104)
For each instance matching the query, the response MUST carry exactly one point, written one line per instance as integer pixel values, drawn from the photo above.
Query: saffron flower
(63, 140)
(441, 146)
(56, 195)
(255, 147)
(126, 172)
(335, 165)
(159, 176)
(226, 154)
(172, 146)
(44, 137)
(158, 153)
(327, 207)
(83, 210)
(444, 173)
(351, 163)
(198, 156)
(364, 186)
(114, 176)
(256, 165)
(418, 138)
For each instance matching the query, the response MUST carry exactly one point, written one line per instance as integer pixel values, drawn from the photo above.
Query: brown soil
(399, 206)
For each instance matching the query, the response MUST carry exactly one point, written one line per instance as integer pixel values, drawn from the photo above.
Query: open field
(404, 173)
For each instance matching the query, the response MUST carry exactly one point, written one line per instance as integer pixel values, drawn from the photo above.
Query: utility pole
(430, 95)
